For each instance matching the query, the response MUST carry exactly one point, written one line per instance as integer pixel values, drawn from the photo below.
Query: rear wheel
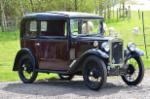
(135, 71)
(26, 69)
(94, 73)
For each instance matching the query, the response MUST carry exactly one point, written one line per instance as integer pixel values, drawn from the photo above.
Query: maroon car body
(51, 48)
(55, 42)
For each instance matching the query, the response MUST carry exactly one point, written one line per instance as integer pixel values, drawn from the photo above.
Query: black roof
(59, 15)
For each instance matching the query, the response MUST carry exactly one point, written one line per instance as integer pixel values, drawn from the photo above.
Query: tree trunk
(3, 18)
(76, 5)
(32, 6)
(108, 12)
(123, 7)
(65, 5)
(22, 7)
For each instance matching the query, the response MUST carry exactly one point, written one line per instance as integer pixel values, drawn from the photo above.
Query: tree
(11, 9)
(3, 16)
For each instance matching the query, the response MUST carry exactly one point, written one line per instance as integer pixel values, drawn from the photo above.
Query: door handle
(37, 44)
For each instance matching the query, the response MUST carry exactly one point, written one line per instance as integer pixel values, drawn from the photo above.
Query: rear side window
(53, 28)
(43, 26)
(33, 26)
(31, 29)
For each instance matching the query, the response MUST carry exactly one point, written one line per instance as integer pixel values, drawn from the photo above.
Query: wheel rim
(93, 73)
(133, 70)
(26, 70)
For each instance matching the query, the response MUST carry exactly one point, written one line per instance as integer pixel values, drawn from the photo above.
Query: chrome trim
(110, 54)
(73, 62)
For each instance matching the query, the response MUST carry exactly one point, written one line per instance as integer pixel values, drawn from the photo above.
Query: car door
(53, 45)
(78, 44)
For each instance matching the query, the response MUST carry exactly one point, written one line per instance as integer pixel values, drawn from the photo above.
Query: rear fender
(20, 53)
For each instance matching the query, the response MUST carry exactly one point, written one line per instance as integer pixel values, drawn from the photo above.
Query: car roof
(60, 15)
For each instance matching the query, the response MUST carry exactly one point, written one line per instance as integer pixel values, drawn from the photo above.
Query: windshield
(85, 27)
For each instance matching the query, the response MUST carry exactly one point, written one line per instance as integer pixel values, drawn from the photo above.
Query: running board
(52, 71)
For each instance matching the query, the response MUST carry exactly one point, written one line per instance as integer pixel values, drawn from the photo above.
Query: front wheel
(135, 71)
(94, 72)
(26, 69)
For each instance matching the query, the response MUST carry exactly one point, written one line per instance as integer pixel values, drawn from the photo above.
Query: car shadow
(60, 87)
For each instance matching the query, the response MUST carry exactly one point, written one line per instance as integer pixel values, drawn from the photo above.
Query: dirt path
(56, 89)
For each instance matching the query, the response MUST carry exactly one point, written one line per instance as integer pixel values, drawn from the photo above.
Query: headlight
(95, 44)
(131, 47)
(105, 46)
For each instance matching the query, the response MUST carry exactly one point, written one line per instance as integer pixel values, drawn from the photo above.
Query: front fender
(139, 52)
(96, 52)
(21, 52)
(136, 53)
(78, 63)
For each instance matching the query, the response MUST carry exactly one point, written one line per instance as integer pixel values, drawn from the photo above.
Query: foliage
(26, 6)
(125, 30)
(10, 12)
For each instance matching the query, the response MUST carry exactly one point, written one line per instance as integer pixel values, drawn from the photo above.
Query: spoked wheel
(26, 71)
(94, 72)
(135, 71)
(65, 77)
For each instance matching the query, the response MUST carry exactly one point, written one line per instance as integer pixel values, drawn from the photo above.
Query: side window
(43, 26)
(31, 29)
(33, 26)
(53, 28)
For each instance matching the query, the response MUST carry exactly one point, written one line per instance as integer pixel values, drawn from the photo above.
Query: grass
(9, 44)
(125, 27)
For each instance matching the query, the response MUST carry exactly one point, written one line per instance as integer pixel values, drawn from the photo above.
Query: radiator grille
(117, 52)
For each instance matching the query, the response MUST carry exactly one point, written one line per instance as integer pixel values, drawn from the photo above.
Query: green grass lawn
(9, 44)
(125, 27)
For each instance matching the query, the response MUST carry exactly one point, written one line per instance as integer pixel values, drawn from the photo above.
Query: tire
(26, 65)
(94, 66)
(66, 77)
(131, 70)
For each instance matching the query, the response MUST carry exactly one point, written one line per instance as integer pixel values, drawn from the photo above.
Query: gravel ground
(56, 89)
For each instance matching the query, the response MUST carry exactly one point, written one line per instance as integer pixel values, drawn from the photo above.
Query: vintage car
(73, 43)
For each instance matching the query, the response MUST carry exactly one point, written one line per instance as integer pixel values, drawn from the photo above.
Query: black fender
(77, 64)
(96, 52)
(23, 51)
(136, 53)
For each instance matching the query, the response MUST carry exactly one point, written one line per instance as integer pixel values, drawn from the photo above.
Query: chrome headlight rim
(131, 46)
(95, 43)
(105, 46)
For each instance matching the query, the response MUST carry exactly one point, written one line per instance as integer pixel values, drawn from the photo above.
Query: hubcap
(132, 70)
(94, 75)
(27, 70)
